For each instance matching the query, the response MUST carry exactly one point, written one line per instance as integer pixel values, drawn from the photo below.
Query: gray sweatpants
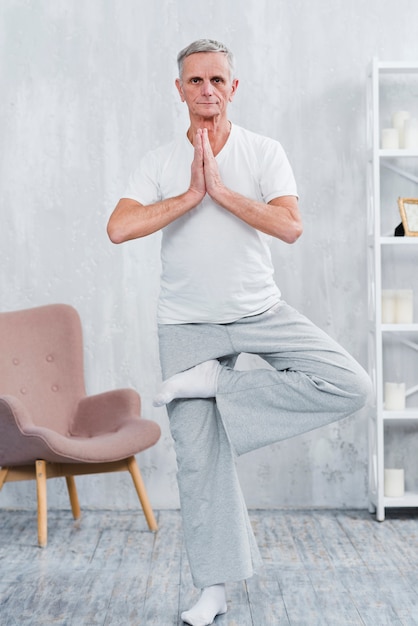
(314, 382)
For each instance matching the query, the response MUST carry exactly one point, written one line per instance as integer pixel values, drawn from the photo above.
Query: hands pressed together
(205, 176)
(279, 218)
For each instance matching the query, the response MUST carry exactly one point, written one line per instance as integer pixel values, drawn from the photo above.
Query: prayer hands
(205, 174)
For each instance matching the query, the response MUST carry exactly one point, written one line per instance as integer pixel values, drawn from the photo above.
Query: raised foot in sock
(197, 382)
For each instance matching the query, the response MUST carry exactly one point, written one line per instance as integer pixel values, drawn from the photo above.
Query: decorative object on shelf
(388, 306)
(397, 306)
(394, 483)
(404, 306)
(398, 121)
(408, 208)
(395, 395)
(399, 230)
(390, 139)
(402, 134)
(410, 134)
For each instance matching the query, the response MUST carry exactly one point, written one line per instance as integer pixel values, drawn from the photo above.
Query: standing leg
(219, 539)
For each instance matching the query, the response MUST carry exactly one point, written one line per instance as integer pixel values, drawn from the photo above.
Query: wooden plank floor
(321, 567)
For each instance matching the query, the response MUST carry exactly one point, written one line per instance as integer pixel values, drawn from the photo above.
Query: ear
(233, 89)
(180, 89)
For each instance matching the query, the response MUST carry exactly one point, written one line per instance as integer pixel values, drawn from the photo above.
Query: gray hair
(205, 45)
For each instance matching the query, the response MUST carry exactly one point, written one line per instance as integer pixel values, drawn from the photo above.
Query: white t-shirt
(215, 267)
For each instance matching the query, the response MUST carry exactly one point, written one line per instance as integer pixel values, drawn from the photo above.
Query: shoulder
(161, 152)
(263, 149)
(161, 158)
(258, 141)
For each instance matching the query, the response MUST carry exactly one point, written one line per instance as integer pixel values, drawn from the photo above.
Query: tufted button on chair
(49, 427)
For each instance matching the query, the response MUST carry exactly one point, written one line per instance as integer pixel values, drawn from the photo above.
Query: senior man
(220, 194)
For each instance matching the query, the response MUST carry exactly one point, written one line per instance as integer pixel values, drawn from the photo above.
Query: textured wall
(86, 88)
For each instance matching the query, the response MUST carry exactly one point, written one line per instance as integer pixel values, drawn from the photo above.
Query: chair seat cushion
(38, 442)
(106, 427)
(132, 437)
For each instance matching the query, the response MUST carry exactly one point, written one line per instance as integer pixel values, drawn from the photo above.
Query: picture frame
(408, 208)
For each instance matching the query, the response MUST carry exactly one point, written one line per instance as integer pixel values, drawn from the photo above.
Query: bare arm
(131, 220)
(279, 218)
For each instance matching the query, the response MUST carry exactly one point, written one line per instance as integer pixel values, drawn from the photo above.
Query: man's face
(206, 86)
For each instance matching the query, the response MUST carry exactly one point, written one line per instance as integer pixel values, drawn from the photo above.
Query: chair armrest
(14, 422)
(105, 412)
(13, 414)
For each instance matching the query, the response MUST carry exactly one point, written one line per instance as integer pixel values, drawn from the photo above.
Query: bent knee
(362, 390)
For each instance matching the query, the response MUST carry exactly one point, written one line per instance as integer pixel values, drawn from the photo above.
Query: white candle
(404, 306)
(388, 306)
(411, 134)
(390, 139)
(394, 396)
(394, 483)
(398, 121)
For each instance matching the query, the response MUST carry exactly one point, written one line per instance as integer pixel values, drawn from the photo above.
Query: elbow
(115, 234)
(292, 233)
(296, 232)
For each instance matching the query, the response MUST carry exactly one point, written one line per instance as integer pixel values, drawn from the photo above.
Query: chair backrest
(41, 362)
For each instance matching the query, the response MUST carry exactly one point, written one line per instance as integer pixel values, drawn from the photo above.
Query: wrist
(193, 197)
(219, 193)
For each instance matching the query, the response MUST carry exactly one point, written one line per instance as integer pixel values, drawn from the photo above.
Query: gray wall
(86, 87)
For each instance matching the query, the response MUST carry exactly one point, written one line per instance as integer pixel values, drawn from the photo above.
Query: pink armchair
(48, 426)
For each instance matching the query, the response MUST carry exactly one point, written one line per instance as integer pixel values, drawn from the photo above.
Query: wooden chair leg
(72, 492)
(42, 503)
(142, 493)
(3, 475)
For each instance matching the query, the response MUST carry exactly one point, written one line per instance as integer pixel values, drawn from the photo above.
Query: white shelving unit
(381, 243)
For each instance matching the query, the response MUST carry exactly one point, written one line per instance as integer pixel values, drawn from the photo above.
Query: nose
(207, 88)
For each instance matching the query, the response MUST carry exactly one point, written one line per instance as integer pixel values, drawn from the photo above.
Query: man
(220, 193)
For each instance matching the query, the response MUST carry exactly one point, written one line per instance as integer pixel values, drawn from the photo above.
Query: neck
(218, 133)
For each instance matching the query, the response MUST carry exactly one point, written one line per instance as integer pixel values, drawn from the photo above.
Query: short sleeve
(276, 174)
(143, 185)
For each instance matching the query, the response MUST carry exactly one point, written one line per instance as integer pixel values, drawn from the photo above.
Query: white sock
(198, 382)
(211, 603)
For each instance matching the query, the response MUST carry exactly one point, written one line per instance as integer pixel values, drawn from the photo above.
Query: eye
(195, 81)
(217, 80)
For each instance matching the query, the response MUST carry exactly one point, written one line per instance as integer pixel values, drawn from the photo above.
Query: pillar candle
(394, 483)
(398, 121)
(411, 134)
(388, 306)
(394, 396)
(404, 306)
(390, 139)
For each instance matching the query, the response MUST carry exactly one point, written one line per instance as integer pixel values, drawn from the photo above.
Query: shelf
(392, 329)
(397, 153)
(399, 241)
(409, 499)
(405, 415)
(391, 240)
(396, 66)
(399, 328)
(387, 259)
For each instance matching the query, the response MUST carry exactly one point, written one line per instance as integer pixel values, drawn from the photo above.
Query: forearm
(280, 218)
(132, 220)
